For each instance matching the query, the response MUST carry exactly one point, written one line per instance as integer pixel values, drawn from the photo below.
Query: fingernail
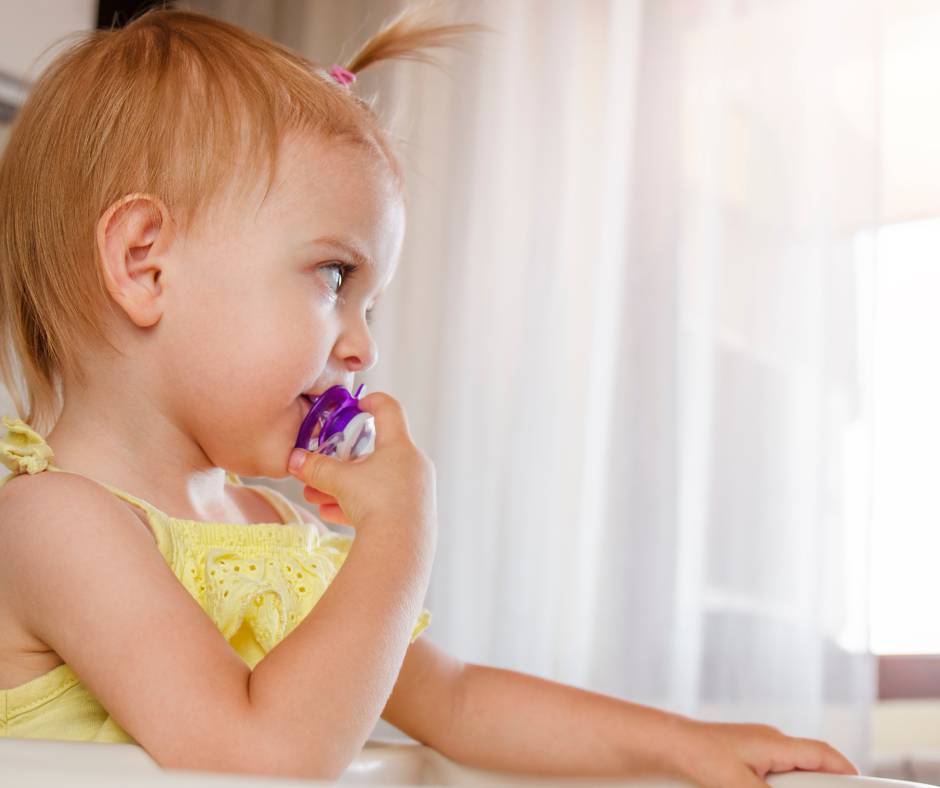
(296, 460)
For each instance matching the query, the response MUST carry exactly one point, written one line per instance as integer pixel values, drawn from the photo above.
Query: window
(904, 384)
(905, 581)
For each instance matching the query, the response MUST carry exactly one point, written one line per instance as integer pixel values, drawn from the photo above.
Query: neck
(130, 444)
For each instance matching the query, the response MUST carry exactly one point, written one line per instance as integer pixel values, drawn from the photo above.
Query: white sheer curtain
(625, 329)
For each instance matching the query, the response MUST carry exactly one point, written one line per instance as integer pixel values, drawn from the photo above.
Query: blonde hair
(174, 104)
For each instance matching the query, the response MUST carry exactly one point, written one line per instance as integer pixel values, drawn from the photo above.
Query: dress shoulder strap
(281, 503)
(23, 450)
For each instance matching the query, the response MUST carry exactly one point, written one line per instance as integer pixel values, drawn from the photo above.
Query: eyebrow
(348, 246)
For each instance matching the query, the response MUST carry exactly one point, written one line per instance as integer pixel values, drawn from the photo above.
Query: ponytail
(408, 35)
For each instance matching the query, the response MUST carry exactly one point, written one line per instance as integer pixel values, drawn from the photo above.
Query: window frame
(908, 676)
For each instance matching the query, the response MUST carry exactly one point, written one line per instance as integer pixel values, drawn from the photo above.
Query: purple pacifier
(345, 430)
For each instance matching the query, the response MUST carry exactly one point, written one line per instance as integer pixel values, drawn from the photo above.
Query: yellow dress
(256, 582)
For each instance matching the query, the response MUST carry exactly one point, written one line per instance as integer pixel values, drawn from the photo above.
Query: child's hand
(329, 509)
(727, 755)
(394, 484)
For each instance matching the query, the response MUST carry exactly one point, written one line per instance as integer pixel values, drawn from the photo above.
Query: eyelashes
(347, 271)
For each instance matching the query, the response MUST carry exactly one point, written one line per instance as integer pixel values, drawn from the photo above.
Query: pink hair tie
(341, 75)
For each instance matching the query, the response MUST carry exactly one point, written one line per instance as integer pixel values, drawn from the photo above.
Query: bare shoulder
(26, 497)
(88, 580)
(40, 515)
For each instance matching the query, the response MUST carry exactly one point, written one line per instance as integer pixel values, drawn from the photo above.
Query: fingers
(332, 513)
(809, 755)
(319, 472)
(316, 496)
(766, 750)
(736, 776)
(391, 423)
(748, 779)
(329, 509)
(823, 758)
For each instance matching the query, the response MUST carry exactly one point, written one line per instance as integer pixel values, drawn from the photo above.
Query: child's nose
(358, 364)
(358, 351)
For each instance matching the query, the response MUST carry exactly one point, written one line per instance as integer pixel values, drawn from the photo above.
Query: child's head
(160, 194)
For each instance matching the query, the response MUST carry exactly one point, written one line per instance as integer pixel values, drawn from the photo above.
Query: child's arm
(513, 722)
(420, 703)
(324, 685)
(502, 720)
(82, 573)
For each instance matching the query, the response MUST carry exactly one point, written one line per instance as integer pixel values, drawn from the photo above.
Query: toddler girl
(196, 224)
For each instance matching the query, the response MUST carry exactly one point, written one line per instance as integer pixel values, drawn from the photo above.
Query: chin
(271, 451)
(274, 470)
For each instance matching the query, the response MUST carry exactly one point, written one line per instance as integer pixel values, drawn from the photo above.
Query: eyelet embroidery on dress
(23, 450)
(269, 587)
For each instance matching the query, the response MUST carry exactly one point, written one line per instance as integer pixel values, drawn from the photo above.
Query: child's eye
(342, 269)
(345, 270)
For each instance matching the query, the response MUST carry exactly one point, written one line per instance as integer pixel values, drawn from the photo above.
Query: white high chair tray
(40, 763)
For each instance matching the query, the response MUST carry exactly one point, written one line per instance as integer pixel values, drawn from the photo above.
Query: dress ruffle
(266, 579)
(22, 449)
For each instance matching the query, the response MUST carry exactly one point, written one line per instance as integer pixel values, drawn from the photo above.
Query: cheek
(246, 355)
(234, 360)
(240, 350)
(264, 368)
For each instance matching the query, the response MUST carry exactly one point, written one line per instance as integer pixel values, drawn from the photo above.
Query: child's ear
(132, 235)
